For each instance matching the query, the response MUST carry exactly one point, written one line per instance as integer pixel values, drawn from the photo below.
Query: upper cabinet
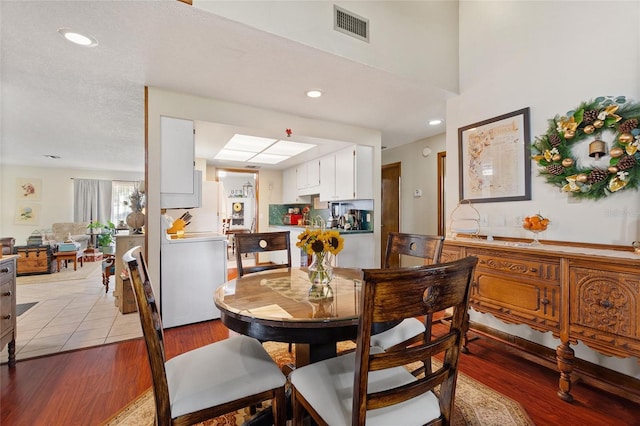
(308, 177)
(180, 185)
(347, 174)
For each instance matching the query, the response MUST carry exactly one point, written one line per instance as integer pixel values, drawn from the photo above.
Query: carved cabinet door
(605, 302)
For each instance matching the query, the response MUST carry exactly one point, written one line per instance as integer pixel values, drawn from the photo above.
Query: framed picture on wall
(494, 159)
(27, 213)
(28, 189)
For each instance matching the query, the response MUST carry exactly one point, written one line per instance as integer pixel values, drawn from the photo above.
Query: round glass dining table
(281, 305)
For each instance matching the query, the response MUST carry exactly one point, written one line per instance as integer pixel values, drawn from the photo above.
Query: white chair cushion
(328, 387)
(408, 328)
(220, 372)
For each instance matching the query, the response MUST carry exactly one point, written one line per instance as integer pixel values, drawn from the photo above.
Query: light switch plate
(417, 193)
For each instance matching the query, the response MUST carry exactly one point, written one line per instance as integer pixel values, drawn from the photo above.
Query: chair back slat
(151, 329)
(427, 247)
(409, 291)
(261, 242)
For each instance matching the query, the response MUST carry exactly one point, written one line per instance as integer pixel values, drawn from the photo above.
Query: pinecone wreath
(555, 169)
(555, 140)
(585, 176)
(627, 162)
(597, 175)
(628, 126)
(590, 116)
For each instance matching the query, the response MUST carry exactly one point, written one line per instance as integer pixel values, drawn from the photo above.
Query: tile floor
(71, 315)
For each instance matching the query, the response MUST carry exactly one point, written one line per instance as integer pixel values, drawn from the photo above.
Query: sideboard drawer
(7, 271)
(527, 267)
(7, 298)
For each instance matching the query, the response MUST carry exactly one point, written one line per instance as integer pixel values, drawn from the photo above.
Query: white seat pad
(220, 372)
(328, 387)
(408, 328)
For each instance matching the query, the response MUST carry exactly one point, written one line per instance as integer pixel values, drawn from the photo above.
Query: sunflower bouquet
(319, 241)
(321, 244)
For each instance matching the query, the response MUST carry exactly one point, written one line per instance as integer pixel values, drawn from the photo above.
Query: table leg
(309, 353)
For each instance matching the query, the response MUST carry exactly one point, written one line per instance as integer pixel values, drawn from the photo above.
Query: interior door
(391, 179)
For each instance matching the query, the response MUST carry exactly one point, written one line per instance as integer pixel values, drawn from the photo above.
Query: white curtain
(92, 200)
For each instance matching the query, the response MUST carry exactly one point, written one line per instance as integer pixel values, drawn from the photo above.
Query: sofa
(76, 231)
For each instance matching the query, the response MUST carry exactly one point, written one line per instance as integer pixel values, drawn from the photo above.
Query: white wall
(525, 54)
(546, 56)
(418, 215)
(163, 102)
(406, 37)
(56, 204)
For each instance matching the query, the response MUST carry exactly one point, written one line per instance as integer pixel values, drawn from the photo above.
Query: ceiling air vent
(351, 24)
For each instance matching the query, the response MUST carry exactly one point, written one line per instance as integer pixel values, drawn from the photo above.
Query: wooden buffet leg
(12, 353)
(564, 358)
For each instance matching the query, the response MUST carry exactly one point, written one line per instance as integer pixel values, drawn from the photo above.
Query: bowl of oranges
(536, 224)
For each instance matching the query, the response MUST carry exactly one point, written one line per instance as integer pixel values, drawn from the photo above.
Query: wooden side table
(66, 256)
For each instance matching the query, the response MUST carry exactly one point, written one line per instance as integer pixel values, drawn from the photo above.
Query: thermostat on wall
(417, 193)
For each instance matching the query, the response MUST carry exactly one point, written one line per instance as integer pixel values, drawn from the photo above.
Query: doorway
(442, 161)
(390, 201)
(238, 205)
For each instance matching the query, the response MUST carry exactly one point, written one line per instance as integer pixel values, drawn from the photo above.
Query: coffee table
(66, 256)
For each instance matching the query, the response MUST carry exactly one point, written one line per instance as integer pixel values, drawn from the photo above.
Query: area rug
(476, 404)
(66, 274)
(21, 308)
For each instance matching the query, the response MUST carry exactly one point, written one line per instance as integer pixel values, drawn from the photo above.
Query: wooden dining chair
(209, 381)
(108, 269)
(262, 242)
(429, 249)
(374, 386)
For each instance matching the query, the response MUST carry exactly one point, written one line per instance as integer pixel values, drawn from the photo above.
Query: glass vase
(320, 271)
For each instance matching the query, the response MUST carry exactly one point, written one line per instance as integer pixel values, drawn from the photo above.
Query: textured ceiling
(86, 104)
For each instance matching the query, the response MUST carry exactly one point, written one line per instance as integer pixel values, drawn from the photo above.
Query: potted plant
(104, 234)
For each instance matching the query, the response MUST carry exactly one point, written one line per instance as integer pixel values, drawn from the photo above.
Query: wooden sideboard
(123, 293)
(584, 294)
(8, 306)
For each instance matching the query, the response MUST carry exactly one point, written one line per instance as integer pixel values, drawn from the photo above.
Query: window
(120, 203)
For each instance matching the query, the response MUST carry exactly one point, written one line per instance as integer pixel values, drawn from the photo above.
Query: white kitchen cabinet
(179, 186)
(328, 178)
(289, 186)
(347, 174)
(308, 177)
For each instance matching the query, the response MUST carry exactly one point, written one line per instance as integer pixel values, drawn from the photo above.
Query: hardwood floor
(88, 386)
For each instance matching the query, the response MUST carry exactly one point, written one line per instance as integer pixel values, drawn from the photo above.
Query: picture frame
(28, 189)
(27, 213)
(495, 159)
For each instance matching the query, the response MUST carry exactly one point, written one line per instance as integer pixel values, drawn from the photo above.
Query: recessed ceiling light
(232, 155)
(288, 148)
(268, 158)
(314, 93)
(248, 143)
(77, 38)
(434, 122)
